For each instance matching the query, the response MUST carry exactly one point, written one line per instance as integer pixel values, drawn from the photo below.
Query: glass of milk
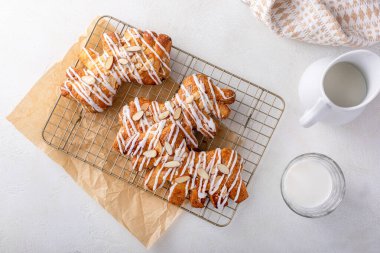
(312, 185)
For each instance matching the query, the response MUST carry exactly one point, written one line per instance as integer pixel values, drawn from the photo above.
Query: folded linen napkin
(353, 23)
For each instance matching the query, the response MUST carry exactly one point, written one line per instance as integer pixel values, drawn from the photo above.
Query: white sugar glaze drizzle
(81, 88)
(119, 52)
(155, 53)
(151, 71)
(105, 79)
(203, 122)
(118, 71)
(214, 186)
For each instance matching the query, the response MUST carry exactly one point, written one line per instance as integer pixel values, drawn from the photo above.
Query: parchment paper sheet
(144, 215)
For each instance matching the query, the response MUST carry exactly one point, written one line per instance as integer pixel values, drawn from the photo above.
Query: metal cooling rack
(89, 137)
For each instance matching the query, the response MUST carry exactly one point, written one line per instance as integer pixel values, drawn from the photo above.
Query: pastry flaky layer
(191, 108)
(137, 56)
(162, 151)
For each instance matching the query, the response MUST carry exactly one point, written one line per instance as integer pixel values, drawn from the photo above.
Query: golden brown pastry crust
(190, 173)
(137, 56)
(197, 99)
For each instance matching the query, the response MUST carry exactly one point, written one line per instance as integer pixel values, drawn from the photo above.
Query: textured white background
(43, 210)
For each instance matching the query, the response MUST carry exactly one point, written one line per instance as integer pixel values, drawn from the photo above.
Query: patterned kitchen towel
(354, 23)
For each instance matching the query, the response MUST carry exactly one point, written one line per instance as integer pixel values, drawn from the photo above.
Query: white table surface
(43, 210)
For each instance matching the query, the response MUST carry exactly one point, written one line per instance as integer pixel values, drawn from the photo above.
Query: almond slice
(137, 115)
(223, 168)
(109, 63)
(123, 61)
(163, 115)
(133, 49)
(177, 113)
(150, 153)
(88, 79)
(172, 164)
(182, 179)
(168, 148)
(159, 147)
(189, 99)
(203, 174)
(217, 179)
(144, 107)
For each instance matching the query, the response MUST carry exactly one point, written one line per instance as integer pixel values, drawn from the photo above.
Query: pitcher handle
(311, 116)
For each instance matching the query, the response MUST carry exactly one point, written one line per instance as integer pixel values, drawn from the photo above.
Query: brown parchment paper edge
(144, 215)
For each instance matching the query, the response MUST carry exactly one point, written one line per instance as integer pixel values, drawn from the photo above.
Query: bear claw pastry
(162, 152)
(137, 56)
(191, 108)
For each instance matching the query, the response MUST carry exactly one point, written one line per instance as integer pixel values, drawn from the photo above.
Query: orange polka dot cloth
(353, 23)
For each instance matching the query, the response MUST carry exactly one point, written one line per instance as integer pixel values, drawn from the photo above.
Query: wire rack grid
(89, 137)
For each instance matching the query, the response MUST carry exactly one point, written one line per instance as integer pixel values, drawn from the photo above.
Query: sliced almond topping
(144, 107)
(183, 179)
(172, 104)
(203, 174)
(150, 153)
(148, 113)
(189, 99)
(177, 113)
(163, 115)
(88, 79)
(223, 168)
(137, 115)
(133, 49)
(172, 164)
(217, 179)
(109, 63)
(123, 61)
(168, 148)
(197, 95)
(159, 147)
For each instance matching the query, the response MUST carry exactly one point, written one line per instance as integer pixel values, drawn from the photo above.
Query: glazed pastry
(162, 142)
(191, 108)
(214, 173)
(162, 151)
(137, 56)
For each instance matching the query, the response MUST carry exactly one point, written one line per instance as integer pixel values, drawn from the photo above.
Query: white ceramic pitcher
(319, 106)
